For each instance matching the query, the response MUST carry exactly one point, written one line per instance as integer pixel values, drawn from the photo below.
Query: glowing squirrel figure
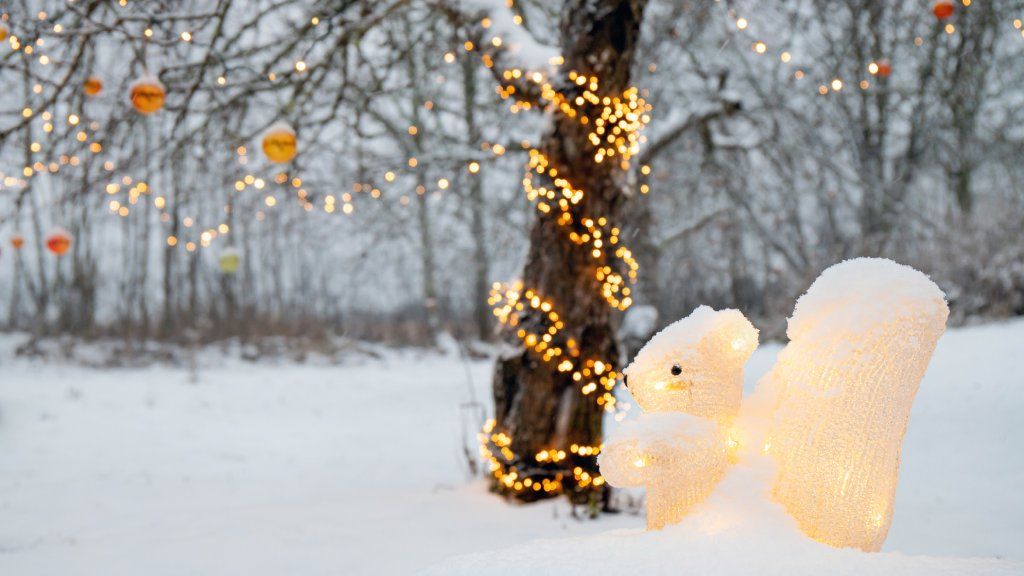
(689, 380)
(838, 400)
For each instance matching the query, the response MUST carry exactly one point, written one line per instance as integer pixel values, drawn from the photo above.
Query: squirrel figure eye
(676, 369)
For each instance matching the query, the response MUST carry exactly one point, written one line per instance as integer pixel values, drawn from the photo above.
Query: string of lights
(147, 95)
(878, 68)
(614, 123)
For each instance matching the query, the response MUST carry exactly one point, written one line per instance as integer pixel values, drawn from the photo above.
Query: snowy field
(357, 468)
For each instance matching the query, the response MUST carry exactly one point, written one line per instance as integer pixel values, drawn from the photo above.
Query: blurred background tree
(785, 137)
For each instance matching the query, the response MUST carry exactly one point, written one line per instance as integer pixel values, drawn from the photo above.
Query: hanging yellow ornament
(147, 94)
(92, 86)
(229, 261)
(279, 143)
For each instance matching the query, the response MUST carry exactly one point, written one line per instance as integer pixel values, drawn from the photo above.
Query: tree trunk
(427, 257)
(169, 322)
(41, 291)
(481, 264)
(537, 406)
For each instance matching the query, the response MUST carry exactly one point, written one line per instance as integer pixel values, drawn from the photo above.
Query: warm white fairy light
(614, 123)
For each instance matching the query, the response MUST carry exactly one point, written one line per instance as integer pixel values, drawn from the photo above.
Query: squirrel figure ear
(735, 336)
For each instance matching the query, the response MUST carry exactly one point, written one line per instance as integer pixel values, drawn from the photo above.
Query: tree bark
(478, 228)
(539, 407)
(428, 258)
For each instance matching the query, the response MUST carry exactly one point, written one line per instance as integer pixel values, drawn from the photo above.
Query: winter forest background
(776, 147)
(220, 357)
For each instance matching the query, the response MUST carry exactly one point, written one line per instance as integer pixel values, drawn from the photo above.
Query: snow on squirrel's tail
(861, 338)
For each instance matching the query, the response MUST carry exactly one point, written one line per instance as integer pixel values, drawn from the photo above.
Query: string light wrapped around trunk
(613, 124)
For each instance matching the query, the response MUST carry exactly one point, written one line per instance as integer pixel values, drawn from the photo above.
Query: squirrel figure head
(694, 365)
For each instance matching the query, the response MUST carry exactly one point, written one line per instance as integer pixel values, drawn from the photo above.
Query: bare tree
(539, 406)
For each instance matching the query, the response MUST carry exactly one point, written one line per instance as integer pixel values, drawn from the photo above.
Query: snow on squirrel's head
(694, 365)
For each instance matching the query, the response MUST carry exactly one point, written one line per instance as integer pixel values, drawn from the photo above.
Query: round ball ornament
(147, 95)
(279, 144)
(17, 240)
(884, 68)
(58, 241)
(230, 260)
(92, 86)
(943, 9)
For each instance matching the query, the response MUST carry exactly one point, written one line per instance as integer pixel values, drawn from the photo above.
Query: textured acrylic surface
(688, 379)
(861, 339)
(678, 457)
(695, 365)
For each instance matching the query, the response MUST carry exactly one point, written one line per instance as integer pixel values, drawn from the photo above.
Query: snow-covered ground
(276, 468)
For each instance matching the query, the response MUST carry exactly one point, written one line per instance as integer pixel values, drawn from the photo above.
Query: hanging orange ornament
(92, 86)
(4, 32)
(58, 241)
(279, 143)
(943, 9)
(17, 240)
(147, 94)
(884, 68)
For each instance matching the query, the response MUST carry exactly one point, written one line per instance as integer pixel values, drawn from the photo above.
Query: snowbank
(322, 469)
(738, 531)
